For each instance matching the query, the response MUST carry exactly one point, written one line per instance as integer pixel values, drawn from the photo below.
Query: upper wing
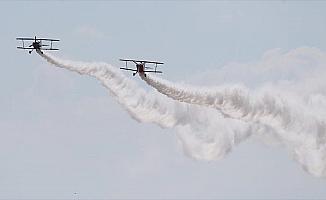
(152, 62)
(25, 38)
(46, 39)
(143, 61)
(126, 60)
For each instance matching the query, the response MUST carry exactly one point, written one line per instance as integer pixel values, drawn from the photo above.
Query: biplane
(140, 66)
(37, 44)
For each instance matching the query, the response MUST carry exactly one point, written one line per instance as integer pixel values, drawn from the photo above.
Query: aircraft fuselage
(140, 68)
(36, 45)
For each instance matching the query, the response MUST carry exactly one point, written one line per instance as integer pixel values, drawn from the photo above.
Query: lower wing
(25, 48)
(134, 70)
(153, 71)
(49, 49)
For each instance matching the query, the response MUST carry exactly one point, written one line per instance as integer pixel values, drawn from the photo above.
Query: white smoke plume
(295, 115)
(211, 121)
(201, 131)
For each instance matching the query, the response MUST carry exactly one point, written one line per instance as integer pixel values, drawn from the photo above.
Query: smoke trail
(292, 118)
(201, 131)
(124, 90)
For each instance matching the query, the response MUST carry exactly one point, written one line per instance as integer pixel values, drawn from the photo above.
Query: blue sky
(62, 133)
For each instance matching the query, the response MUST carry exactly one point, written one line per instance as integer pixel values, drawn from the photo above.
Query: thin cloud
(90, 32)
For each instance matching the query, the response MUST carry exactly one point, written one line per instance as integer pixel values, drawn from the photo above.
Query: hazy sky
(62, 133)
